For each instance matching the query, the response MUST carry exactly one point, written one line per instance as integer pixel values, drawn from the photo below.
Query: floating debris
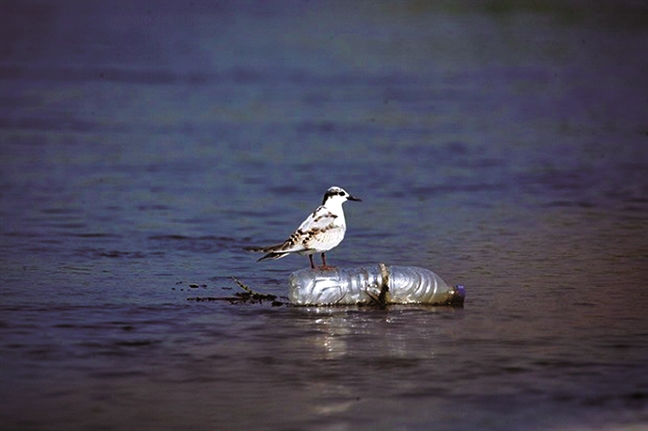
(249, 296)
(374, 285)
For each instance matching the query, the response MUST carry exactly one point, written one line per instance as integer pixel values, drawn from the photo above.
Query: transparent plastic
(374, 284)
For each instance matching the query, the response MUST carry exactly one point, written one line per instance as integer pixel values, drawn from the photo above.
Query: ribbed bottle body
(373, 284)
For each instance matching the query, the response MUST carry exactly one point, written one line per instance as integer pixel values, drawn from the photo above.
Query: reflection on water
(393, 331)
(143, 145)
(332, 341)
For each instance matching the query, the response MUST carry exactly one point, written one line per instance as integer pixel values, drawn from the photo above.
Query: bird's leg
(310, 257)
(324, 265)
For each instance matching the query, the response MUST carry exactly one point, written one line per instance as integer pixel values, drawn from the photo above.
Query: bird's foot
(326, 268)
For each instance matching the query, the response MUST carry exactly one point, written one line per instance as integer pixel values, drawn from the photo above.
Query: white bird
(322, 231)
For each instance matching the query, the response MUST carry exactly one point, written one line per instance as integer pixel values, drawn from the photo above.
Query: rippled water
(143, 145)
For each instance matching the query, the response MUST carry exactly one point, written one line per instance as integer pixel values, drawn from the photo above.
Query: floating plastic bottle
(374, 284)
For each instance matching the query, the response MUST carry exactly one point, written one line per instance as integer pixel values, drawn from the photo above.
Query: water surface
(143, 145)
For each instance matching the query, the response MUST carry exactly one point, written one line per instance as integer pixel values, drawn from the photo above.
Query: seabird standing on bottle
(322, 231)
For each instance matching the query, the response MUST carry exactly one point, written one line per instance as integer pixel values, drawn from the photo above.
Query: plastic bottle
(374, 284)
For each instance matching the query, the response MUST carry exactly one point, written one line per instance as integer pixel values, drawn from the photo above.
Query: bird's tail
(272, 255)
(273, 251)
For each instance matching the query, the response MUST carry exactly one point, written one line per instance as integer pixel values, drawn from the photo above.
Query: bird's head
(337, 195)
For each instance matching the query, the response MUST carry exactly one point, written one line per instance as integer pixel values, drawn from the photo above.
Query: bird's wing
(318, 221)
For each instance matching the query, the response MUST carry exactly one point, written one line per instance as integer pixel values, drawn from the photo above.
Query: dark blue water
(143, 144)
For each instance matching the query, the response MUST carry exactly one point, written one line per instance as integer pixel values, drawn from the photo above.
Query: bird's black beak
(353, 198)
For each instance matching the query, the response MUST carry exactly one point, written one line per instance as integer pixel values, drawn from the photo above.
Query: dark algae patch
(248, 296)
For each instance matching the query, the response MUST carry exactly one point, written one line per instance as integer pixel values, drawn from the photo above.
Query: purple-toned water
(144, 144)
